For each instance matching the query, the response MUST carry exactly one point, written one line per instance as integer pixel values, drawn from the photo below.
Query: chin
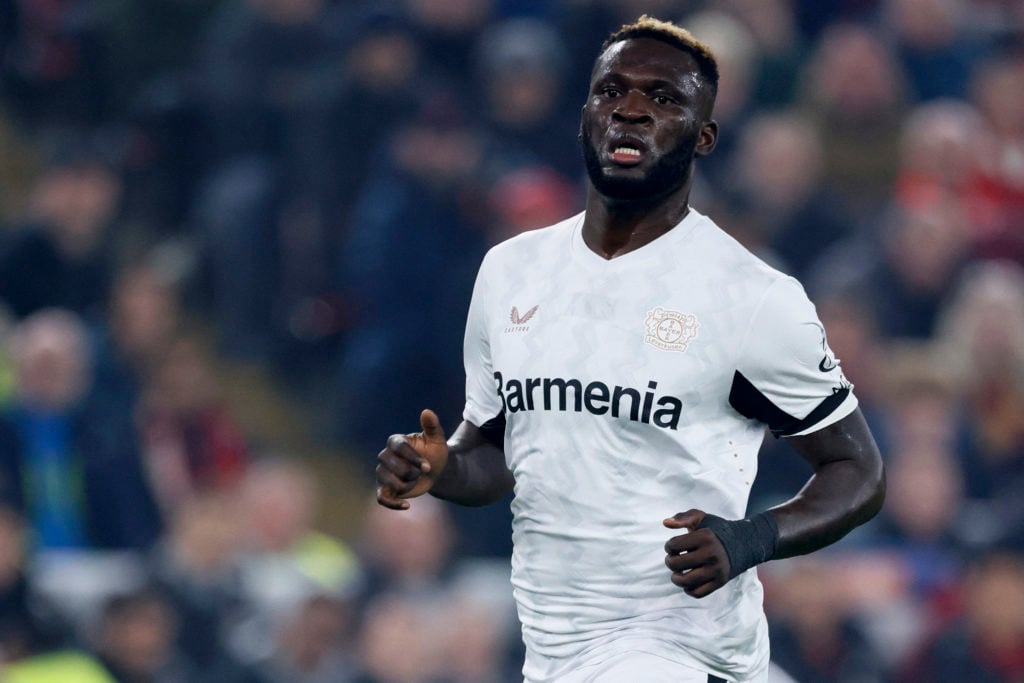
(631, 187)
(623, 189)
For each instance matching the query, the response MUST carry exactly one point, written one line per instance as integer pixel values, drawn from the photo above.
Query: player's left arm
(846, 490)
(789, 380)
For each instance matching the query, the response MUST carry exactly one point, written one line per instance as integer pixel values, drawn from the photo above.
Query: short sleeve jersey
(625, 391)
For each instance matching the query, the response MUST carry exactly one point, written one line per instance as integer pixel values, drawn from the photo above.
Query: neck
(615, 227)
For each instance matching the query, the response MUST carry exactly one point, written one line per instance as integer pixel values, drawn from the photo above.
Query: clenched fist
(699, 562)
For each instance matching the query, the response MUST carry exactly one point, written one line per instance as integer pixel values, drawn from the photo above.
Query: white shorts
(632, 667)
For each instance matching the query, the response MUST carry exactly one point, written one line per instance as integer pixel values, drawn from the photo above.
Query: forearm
(846, 490)
(475, 473)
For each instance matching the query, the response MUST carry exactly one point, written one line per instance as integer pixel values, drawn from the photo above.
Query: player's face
(645, 119)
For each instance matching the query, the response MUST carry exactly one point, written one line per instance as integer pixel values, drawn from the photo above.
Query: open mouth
(626, 152)
(626, 155)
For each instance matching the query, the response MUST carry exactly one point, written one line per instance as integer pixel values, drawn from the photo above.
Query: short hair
(674, 35)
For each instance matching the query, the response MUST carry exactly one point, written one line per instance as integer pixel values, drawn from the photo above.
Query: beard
(666, 175)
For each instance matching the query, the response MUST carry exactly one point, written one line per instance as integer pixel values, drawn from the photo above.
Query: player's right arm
(467, 469)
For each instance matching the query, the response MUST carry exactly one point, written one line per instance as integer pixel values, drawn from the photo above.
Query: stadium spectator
(399, 621)
(986, 645)
(314, 645)
(912, 276)
(476, 643)
(521, 71)
(135, 640)
(143, 318)
(921, 530)
(528, 198)
(778, 175)
(814, 634)
(944, 151)
(280, 499)
(51, 68)
(191, 441)
(780, 46)
(29, 624)
(62, 255)
(856, 95)
(932, 45)
(78, 480)
(262, 62)
(447, 31)
(983, 337)
(197, 568)
(412, 560)
(919, 524)
(996, 89)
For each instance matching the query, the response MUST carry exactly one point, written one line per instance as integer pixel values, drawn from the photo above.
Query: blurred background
(237, 243)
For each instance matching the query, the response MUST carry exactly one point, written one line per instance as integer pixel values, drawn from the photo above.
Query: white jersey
(629, 390)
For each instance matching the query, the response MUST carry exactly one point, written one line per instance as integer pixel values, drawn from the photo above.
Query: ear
(579, 131)
(707, 139)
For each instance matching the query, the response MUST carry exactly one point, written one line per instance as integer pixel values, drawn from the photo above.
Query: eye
(610, 91)
(664, 99)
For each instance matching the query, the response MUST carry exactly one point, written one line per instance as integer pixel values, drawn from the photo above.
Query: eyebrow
(649, 86)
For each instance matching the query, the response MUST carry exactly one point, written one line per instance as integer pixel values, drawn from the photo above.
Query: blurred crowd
(308, 186)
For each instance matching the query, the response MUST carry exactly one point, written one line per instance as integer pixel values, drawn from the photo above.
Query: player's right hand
(410, 463)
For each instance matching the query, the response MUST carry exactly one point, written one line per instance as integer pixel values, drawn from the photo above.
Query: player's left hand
(697, 559)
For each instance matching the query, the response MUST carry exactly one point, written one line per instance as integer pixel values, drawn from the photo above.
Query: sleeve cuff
(847, 406)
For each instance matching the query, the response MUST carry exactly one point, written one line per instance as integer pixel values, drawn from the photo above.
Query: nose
(632, 107)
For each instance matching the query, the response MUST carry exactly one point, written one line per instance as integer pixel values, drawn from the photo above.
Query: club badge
(670, 330)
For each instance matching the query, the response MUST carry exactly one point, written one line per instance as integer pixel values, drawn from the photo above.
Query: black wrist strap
(748, 542)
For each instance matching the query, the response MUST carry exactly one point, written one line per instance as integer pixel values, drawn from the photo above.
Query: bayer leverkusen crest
(670, 330)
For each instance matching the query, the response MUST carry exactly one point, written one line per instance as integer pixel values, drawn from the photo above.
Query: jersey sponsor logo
(522, 319)
(596, 398)
(519, 321)
(670, 330)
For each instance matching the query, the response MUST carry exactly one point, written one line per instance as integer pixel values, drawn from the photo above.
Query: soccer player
(621, 366)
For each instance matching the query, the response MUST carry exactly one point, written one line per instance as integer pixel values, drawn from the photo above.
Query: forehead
(647, 57)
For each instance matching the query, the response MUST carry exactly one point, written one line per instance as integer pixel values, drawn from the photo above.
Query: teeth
(627, 150)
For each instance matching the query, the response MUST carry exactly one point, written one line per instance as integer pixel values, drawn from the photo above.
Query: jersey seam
(486, 290)
(483, 275)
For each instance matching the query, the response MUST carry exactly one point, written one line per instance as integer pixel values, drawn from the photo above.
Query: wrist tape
(748, 542)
